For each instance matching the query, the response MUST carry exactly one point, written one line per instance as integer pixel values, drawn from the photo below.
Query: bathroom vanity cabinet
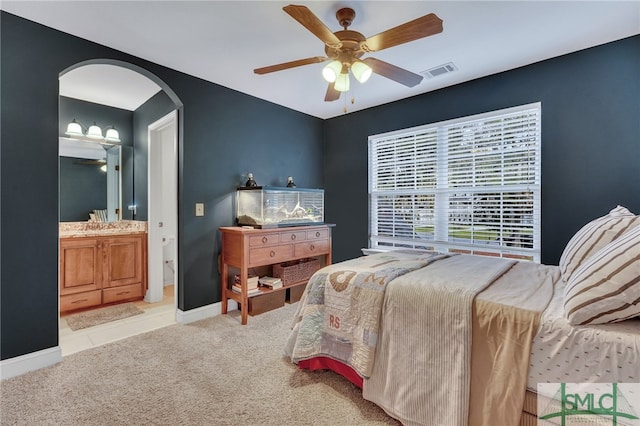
(98, 270)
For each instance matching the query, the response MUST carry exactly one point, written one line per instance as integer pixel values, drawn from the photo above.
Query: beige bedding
(505, 321)
(422, 370)
(425, 369)
(410, 377)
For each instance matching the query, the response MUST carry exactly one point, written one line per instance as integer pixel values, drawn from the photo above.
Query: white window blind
(469, 185)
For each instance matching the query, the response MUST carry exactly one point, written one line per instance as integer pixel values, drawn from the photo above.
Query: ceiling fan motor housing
(351, 46)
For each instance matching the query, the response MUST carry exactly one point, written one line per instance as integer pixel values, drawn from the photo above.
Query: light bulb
(342, 83)
(331, 71)
(361, 71)
(112, 135)
(74, 129)
(94, 132)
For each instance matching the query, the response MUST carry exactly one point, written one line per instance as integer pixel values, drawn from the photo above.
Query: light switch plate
(199, 209)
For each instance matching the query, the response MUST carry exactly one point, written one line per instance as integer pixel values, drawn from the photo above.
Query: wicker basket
(296, 271)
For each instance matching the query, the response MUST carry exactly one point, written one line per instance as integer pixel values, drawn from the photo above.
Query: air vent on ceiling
(439, 70)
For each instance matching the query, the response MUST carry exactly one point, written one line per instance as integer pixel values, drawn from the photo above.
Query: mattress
(604, 353)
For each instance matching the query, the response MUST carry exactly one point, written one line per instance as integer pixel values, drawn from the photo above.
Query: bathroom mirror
(95, 177)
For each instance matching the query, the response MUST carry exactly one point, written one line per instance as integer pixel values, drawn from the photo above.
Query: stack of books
(270, 282)
(252, 285)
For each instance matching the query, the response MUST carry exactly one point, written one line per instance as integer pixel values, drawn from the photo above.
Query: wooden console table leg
(245, 311)
(224, 279)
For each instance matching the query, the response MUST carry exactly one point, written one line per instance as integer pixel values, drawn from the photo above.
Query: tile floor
(156, 315)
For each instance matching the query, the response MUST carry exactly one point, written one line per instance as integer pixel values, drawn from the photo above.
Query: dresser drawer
(318, 234)
(264, 240)
(292, 237)
(268, 255)
(87, 299)
(125, 292)
(312, 248)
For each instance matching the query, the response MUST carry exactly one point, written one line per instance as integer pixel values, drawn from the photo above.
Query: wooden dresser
(100, 270)
(246, 248)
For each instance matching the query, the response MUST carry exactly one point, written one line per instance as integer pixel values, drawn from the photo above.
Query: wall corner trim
(23, 364)
(203, 312)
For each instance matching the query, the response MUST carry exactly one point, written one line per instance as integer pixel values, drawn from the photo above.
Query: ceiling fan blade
(311, 22)
(409, 31)
(332, 94)
(292, 64)
(393, 72)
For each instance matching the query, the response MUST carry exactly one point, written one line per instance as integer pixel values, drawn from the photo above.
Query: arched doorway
(140, 205)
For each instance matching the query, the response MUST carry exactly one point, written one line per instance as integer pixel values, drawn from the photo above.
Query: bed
(453, 339)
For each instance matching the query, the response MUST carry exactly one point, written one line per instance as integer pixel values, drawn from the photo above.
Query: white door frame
(157, 223)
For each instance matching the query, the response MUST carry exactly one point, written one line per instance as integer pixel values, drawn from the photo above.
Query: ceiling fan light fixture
(361, 71)
(331, 71)
(342, 83)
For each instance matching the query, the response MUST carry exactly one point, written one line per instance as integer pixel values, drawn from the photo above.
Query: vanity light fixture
(76, 130)
(112, 135)
(94, 132)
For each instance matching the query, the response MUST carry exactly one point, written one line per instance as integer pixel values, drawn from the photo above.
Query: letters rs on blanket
(341, 307)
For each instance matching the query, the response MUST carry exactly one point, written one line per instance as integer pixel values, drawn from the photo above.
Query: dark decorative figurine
(250, 181)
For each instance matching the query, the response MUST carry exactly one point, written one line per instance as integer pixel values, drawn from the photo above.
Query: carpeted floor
(211, 372)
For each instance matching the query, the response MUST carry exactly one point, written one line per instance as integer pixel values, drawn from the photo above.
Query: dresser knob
(264, 240)
(317, 234)
(293, 236)
(272, 254)
(312, 247)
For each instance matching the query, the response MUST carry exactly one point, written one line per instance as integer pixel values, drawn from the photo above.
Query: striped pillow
(593, 236)
(606, 288)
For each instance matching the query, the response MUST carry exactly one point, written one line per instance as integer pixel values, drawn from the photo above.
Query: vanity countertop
(92, 229)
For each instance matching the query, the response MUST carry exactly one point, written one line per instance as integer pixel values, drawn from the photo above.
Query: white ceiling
(223, 41)
(108, 85)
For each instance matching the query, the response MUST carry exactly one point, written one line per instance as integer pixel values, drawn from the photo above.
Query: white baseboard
(19, 365)
(192, 315)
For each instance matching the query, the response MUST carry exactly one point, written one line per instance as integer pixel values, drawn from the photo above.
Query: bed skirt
(326, 363)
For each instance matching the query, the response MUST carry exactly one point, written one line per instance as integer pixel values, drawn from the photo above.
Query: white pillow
(593, 236)
(606, 288)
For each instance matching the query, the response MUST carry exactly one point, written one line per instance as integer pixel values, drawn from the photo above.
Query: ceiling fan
(345, 48)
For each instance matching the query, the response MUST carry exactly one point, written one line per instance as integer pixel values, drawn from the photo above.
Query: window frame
(530, 187)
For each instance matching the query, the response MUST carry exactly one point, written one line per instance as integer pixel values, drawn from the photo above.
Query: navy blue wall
(590, 140)
(217, 148)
